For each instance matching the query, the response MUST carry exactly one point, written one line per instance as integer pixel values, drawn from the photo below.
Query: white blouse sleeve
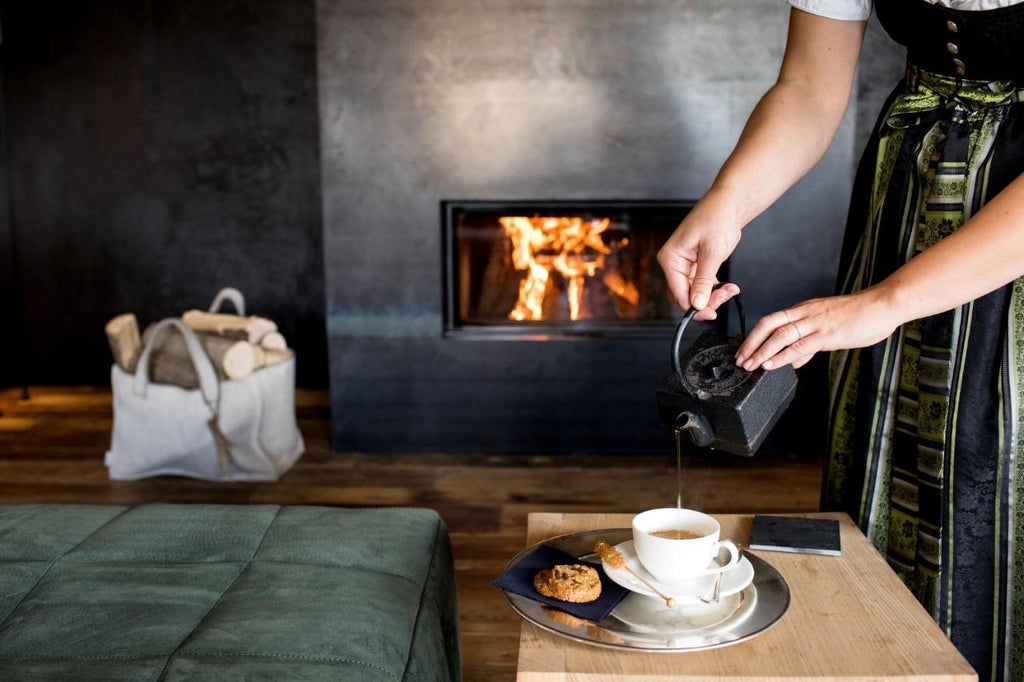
(848, 10)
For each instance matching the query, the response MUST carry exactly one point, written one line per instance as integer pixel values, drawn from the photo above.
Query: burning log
(572, 247)
(622, 287)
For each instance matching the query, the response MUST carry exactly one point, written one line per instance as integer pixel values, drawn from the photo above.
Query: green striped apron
(925, 428)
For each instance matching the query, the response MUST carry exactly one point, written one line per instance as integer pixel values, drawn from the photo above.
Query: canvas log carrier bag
(224, 430)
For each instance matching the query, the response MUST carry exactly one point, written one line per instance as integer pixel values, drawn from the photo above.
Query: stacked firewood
(236, 345)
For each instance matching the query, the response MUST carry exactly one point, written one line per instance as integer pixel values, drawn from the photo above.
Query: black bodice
(976, 45)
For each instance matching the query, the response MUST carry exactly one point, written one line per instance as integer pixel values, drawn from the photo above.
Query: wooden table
(849, 618)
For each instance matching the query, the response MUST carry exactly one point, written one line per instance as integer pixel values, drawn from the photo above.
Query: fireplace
(541, 365)
(537, 269)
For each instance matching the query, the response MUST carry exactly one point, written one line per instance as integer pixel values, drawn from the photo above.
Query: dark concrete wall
(158, 151)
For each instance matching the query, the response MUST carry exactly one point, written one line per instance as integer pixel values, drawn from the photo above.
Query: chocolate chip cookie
(575, 583)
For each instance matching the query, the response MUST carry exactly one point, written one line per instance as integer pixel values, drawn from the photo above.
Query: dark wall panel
(159, 151)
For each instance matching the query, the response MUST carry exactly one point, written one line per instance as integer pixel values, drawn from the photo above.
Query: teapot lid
(681, 327)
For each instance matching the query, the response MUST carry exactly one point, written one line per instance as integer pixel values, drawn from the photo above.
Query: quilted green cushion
(226, 592)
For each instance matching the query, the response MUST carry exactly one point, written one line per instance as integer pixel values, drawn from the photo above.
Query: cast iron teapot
(719, 404)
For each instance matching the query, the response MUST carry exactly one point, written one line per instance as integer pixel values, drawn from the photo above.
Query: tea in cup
(677, 545)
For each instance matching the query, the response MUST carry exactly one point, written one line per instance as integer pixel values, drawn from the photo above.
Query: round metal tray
(644, 623)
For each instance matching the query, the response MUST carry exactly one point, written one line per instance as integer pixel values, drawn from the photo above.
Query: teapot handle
(681, 327)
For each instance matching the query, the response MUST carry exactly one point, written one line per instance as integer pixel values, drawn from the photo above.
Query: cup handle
(734, 555)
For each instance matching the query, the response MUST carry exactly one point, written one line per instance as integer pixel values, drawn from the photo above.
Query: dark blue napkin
(519, 579)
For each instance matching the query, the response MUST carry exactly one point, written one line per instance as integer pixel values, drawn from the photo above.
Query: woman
(926, 432)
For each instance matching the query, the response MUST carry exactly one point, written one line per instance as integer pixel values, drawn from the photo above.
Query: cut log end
(125, 342)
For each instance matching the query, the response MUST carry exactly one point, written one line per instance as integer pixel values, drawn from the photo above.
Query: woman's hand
(788, 132)
(694, 253)
(792, 336)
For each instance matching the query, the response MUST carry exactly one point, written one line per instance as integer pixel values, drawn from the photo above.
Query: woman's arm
(983, 255)
(786, 135)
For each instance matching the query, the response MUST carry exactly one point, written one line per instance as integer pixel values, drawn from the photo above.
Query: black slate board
(794, 534)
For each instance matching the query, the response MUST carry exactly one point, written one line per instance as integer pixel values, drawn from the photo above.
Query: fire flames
(571, 246)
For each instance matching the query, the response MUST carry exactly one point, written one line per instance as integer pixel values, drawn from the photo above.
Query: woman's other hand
(792, 336)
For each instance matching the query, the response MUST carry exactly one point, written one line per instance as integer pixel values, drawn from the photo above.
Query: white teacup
(676, 545)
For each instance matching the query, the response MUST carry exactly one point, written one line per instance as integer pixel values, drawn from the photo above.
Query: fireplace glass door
(552, 268)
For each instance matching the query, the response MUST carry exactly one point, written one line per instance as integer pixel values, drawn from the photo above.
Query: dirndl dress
(926, 432)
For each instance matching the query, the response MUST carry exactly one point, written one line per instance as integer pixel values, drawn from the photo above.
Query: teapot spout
(696, 427)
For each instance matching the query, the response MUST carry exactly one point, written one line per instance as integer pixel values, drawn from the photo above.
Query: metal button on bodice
(952, 48)
(960, 66)
(951, 26)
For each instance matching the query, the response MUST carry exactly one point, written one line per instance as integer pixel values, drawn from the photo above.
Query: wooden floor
(52, 445)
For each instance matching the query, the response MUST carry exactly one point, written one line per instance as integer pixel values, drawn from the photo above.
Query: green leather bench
(225, 592)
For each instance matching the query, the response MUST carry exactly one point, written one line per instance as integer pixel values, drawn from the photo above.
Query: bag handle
(229, 294)
(208, 384)
(681, 327)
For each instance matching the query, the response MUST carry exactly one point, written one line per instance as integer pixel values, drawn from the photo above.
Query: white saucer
(734, 579)
(688, 618)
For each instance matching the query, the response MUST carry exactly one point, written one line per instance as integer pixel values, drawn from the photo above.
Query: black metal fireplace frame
(545, 330)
